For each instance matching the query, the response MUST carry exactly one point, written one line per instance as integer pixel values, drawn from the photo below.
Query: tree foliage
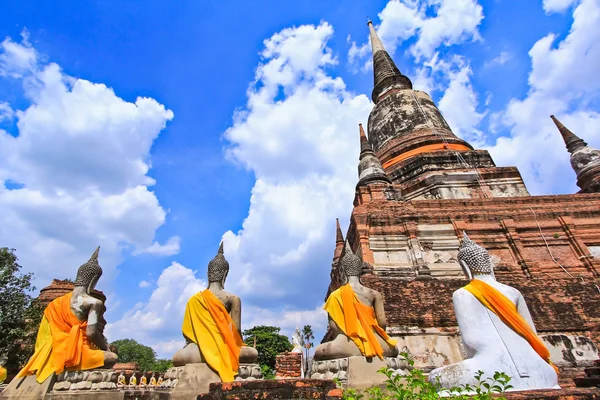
(20, 314)
(132, 351)
(307, 341)
(269, 344)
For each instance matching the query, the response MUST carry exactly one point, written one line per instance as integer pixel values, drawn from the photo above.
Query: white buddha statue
(496, 329)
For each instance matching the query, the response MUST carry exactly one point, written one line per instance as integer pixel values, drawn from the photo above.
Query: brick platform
(281, 389)
(288, 365)
(564, 394)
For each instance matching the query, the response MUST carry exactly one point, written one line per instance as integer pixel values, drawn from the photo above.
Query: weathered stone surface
(284, 389)
(358, 372)
(27, 388)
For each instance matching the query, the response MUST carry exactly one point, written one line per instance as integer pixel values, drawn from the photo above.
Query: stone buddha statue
(71, 334)
(496, 329)
(356, 338)
(203, 312)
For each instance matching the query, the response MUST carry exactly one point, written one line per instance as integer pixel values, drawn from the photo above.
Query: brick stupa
(407, 232)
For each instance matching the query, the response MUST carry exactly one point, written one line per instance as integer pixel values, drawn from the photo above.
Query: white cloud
(449, 22)
(563, 81)
(551, 6)
(171, 247)
(501, 59)
(144, 284)
(303, 150)
(157, 323)
(459, 104)
(6, 112)
(17, 59)
(81, 159)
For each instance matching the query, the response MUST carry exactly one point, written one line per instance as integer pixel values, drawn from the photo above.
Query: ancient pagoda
(420, 186)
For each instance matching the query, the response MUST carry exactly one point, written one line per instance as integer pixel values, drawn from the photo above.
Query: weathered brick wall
(288, 365)
(282, 389)
(553, 268)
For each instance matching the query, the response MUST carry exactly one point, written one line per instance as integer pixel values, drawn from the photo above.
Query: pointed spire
(347, 248)
(369, 166)
(385, 71)
(339, 237)
(572, 141)
(364, 142)
(220, 248)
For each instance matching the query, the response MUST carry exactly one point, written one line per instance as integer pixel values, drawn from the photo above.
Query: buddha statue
(143, 379)
(212, 326)
(121, 379)
(496, 329)
(71, 334)
(356, 317)
(133, 380)
(153, 381)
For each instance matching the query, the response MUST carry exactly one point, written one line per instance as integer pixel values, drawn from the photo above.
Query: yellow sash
(207, 323)
(506, 310)
(2, 374)
(61, 343)
(357, 321)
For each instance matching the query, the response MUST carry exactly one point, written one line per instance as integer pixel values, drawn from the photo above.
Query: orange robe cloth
(507, 311)
(357, 321)
(61, 343)
(207, 323)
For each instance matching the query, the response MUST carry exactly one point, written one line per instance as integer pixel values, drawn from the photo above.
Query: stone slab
(28, 388)
(362, 372)
(563, 394)
(86, 395)
(195, 379)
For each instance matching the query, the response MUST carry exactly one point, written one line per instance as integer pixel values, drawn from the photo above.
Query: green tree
(132, 351)
(269, 344)
(20, 315)
(307, 338)
(161, 365)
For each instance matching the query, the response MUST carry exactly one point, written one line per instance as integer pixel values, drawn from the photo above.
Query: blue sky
(247, 130)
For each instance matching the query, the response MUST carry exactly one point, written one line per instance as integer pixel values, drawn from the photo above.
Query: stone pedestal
(189, 381)
(28, 388)
(358, 372)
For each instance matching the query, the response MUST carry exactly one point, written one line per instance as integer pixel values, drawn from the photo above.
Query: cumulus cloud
(6, 112)
(78, 168)
(434, 23)
(157, 323)
(500, 59)
(563, 81)
(171, 247)
(552, 6)
(303, 150)
(144, 284)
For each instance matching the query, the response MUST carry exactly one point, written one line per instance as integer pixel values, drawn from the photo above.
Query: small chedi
(360, 345)
(214, 350)
(496, 329)
(70, 339)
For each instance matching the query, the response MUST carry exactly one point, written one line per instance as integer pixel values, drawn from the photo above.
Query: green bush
(416, 386)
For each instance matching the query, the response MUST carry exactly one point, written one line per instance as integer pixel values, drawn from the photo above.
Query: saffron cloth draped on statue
(207, 323)
(61, 343)
(357, 321)
(506, 310)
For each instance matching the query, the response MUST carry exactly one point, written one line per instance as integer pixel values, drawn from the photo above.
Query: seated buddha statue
(71, 334)
(356, 317)
(212, 326)
(496, 329)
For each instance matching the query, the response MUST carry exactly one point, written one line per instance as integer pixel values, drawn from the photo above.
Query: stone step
(592, 371)
(587, 382)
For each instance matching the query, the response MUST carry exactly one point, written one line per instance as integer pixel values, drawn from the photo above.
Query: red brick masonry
(281, 389)
(288, 365)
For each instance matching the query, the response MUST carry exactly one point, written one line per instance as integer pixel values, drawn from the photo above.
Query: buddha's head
(474, 259)
(89, 273)
(218, 268)
(350, 264)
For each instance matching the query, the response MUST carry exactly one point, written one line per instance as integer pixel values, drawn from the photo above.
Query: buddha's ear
(466, 270)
